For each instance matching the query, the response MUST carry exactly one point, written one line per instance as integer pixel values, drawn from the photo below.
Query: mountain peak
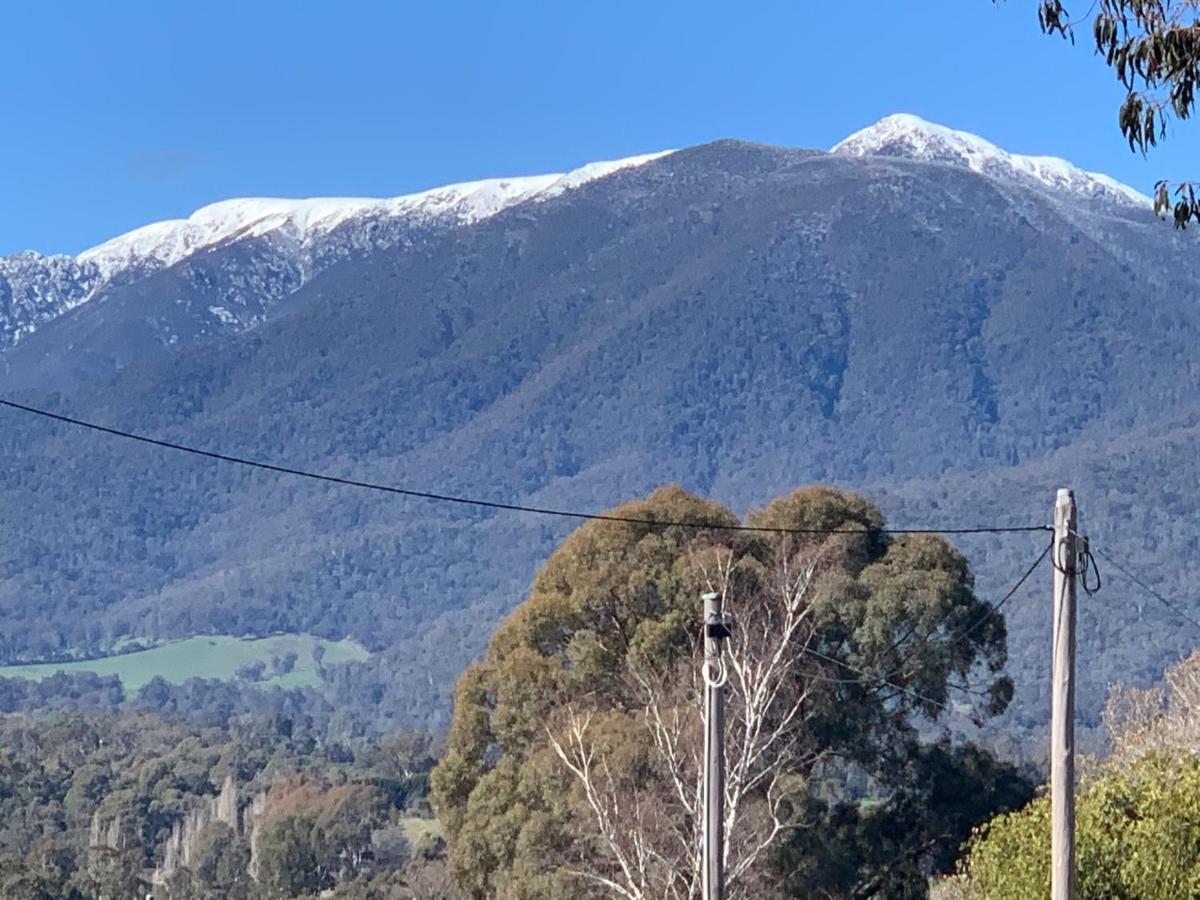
(306, 233)
(905, 136)
(165, 243)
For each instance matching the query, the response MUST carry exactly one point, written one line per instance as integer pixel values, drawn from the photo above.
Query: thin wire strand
(1145, 587)
(955, 638)
(865, 678)
(995, 607)
(1003, 600)
(868, 678)
(491, 504)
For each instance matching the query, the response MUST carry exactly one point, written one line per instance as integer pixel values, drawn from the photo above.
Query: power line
(996, 607)
(864, 677)
(964, 632)
(1149, 590)
(489, 504)
(868, 679)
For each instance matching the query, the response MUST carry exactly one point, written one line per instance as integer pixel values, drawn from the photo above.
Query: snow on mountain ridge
(163, 244)
(306, 236)
(36, 289)
(911, 137)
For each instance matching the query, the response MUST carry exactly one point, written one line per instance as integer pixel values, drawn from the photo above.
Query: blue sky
(118, 114)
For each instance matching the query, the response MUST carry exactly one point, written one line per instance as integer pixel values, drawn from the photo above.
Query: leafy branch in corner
(1153, 48)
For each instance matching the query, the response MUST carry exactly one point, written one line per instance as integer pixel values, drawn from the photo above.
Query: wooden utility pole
(1062, 708)
(713, 855)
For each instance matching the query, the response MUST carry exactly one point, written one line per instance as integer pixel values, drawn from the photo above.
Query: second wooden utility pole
(713, 853)
(1062, 703)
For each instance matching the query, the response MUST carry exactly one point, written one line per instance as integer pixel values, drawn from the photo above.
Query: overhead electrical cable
(993, 609)
(996, 607)
(1149, 590)
(869, 679)
(886, 678)
(864, 677)
(489, 504)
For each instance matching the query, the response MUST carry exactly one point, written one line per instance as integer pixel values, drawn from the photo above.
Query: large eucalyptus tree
(573, 760)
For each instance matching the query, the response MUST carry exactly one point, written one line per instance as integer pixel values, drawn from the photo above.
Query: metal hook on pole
(715, 678)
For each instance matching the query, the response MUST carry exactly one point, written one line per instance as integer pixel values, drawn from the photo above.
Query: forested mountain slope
(739, 319)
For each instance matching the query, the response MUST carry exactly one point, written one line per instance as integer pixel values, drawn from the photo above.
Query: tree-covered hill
(735, 318)
(137, 805)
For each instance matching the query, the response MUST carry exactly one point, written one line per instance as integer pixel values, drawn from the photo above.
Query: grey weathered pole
(1062, 703)
(713, 855)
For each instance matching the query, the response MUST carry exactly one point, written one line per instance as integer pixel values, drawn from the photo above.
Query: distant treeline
(119, 805)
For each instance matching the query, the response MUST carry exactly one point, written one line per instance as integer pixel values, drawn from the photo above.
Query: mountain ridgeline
(953, 330)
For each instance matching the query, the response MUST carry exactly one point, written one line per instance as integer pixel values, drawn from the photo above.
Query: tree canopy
(110, 807)
(572, 762)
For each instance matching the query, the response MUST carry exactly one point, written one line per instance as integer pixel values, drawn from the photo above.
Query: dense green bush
(1138, 838)
(1138, 816)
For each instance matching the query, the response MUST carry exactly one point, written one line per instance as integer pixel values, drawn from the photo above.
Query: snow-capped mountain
(285, 243)
(911, 137)
(733, 317)
(307, 221)
(35, 289)
(299, 237)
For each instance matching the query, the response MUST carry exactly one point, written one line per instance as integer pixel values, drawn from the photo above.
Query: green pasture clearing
(208, 656)
(422, 832)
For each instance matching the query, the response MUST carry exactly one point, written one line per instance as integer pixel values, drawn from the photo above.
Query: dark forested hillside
(735, 318)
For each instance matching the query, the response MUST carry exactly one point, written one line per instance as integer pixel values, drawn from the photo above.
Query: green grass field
(210, 656)
(422, 832)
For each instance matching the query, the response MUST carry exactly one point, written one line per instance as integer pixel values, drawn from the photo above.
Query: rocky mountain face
(953, 329)
(36, 289)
